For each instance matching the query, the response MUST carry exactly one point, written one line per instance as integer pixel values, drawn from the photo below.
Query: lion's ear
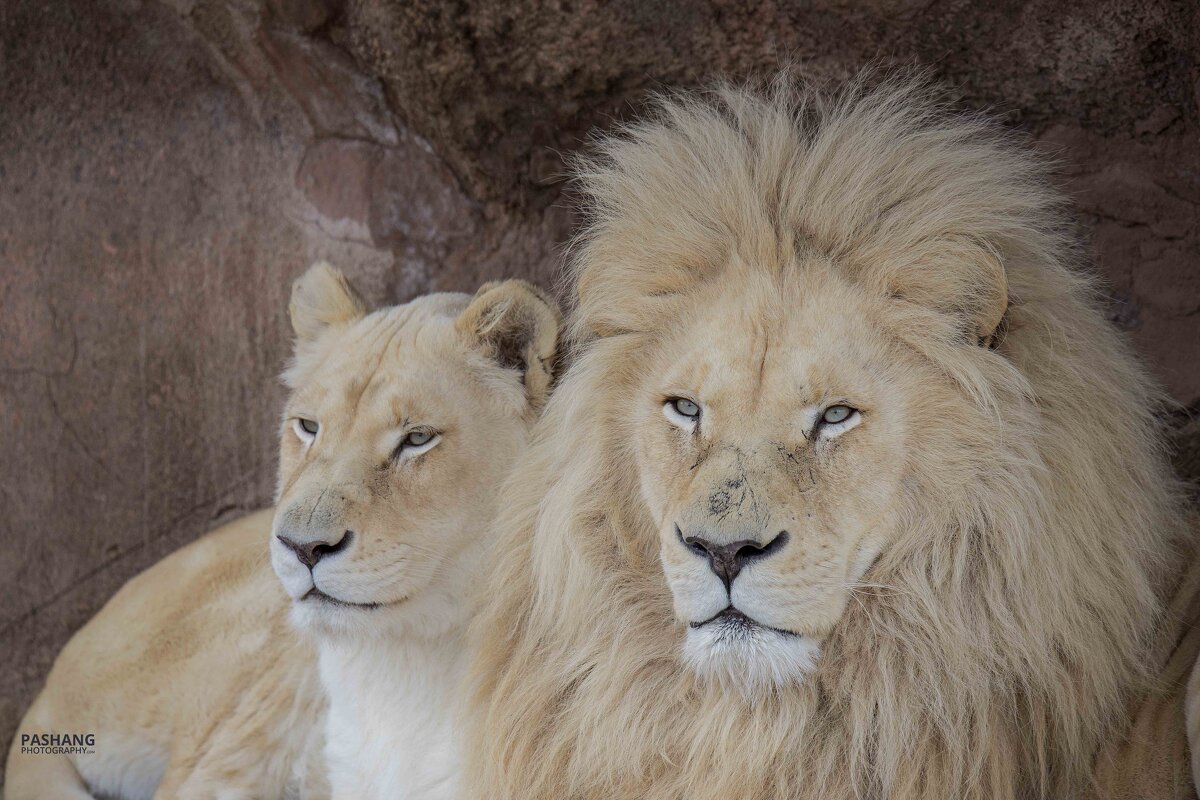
(960, 278)
(322, 297)
(517, 325)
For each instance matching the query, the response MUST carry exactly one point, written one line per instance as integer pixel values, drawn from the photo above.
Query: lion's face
(401, 426)
(771, 450)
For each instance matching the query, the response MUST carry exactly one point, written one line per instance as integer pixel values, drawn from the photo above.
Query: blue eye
(416, 442)
(685, 407)
(835, 414)
(417, 438)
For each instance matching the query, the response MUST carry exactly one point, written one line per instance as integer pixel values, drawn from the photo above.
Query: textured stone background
(167, 167)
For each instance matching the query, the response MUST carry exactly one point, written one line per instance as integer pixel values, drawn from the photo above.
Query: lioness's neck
(393, 707)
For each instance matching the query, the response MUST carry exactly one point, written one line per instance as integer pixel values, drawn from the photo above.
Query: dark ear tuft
(322, 297)
(517, 325)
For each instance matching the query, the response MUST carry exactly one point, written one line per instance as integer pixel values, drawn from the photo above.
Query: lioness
(192, 679)
(851, 491)
(389, 488)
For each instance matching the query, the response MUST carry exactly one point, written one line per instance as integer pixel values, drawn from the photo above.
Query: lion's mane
(1011, 626)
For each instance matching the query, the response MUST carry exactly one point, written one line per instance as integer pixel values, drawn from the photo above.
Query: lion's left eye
(417, 438)
(836, 420)
(835, 414)
(417, 442)
(685, 407)
(682, 413)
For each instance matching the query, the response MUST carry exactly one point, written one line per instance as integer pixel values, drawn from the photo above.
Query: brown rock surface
(167, 166)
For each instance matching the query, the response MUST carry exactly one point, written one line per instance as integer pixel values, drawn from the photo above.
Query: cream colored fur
(193, 682)
(971, 601)
(404, 527)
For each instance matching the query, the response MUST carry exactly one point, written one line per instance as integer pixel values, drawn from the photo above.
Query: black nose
(727, 560)
(309, 553)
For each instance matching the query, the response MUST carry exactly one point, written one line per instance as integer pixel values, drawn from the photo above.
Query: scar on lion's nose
(720, 501)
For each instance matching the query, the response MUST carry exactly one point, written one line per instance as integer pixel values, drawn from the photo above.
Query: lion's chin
(749, 659)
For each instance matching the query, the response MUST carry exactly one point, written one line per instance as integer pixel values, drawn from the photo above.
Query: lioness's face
(400, 429)
(770, 434)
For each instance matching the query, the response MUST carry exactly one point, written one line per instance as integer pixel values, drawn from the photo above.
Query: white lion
(850, 490)
(388, 491)
(400, 426)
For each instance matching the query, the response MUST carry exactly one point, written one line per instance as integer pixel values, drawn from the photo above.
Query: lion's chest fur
(393, 706)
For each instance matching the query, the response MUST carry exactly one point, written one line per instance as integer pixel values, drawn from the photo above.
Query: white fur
(129, 767)
(391, 731)
(748, 661)
(394, 697)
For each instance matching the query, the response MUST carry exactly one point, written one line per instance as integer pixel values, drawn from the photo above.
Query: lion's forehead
(802, 333)
(791, 369)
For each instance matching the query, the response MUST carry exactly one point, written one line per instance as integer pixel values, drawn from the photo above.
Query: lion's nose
(727, 560)
(309, 553)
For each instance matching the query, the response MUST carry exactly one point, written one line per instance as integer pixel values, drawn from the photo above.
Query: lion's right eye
(682, 412)
(835, 414)
(686, 407)
(306, 429)
(417, 442)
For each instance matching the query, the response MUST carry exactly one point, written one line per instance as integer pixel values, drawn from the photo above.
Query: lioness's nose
(727, 560)
(309, 553)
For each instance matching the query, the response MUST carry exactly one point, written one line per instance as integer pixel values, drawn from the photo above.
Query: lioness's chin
(329, 618)
(752, 661)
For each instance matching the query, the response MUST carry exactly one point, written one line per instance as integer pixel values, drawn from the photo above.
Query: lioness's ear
(322, 297)
(517, 325)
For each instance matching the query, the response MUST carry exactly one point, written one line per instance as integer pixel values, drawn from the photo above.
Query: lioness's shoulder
(188, 600)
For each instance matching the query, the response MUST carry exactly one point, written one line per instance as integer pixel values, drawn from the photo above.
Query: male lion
(191, 678)
(850, 491)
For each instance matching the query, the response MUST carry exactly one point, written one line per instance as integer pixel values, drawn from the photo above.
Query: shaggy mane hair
(994, 650)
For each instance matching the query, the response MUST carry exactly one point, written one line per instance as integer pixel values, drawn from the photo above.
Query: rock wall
(168, 166)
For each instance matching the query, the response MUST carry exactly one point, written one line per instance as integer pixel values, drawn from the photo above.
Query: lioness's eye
(417, 438)
(685, 407)
(306, 429)
(836, 414)
(416, 443)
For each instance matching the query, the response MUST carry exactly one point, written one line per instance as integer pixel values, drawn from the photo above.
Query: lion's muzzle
(727, 560)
